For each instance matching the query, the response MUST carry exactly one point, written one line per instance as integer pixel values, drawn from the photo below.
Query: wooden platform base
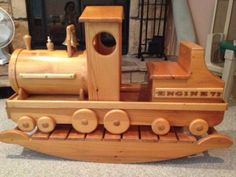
(138, 144)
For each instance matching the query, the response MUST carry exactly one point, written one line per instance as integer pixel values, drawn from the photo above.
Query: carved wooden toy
(74, 104)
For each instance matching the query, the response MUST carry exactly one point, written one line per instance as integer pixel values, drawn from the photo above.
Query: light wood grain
(137, 117)
(184, 135)
(12, 70)
(48, 72)
(140, 113)
(98, 134)
(116, 151)
(198, 127)
(116, 121)
(134, 92)
(46, 76)
(50, 103)
(132, 134)
(160, 126)
(103, 67)
(111, 137)
(64, 89)
(46, 124)
(40, 135)
(75, 135)
(166, 70)
(60, 133)
(146, 134)
(84, 120)
(102, 14)
(22, 95)
(26, 123)
(27, 40)
(191, 60)
(71, 40)
(169, 137)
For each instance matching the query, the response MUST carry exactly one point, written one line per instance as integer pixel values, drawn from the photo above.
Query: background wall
(202, 12)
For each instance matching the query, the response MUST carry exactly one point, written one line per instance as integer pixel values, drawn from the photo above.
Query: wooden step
(111, 137)
(75, 135)
(40, 135)
(147, 134)
(169, 137)
(60, 133)
(132, 134)
(98, 134)
(184, 136)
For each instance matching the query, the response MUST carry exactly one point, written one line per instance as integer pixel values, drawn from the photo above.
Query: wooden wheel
(198, 127)
(46, 124)
(116, 121)
(84, 120)
(26, 123)
(160, 126)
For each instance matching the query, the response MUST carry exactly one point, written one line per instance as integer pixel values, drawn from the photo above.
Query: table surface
(19, 161)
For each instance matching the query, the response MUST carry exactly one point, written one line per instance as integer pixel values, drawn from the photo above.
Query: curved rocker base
(110, 149)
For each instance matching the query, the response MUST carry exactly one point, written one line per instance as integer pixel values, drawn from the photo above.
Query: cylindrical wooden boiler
(48, 72)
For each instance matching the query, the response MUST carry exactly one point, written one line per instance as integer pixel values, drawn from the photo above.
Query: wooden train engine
(84, 88)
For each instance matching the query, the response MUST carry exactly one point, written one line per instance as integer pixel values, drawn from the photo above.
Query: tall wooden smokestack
(104, 60)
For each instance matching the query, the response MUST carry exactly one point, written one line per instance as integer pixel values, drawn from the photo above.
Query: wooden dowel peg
(27, 39)
(50, 45)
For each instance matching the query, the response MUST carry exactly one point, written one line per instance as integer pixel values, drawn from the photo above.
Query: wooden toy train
(170, 117)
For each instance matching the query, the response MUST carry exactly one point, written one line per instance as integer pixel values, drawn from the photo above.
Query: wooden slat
(40, 135)
(184, 136)
(96, 135)
(47, 76)
(111, 137)
(147, 134)
(170, 137)
(131, 134)
(75, 135)
(60, 133)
